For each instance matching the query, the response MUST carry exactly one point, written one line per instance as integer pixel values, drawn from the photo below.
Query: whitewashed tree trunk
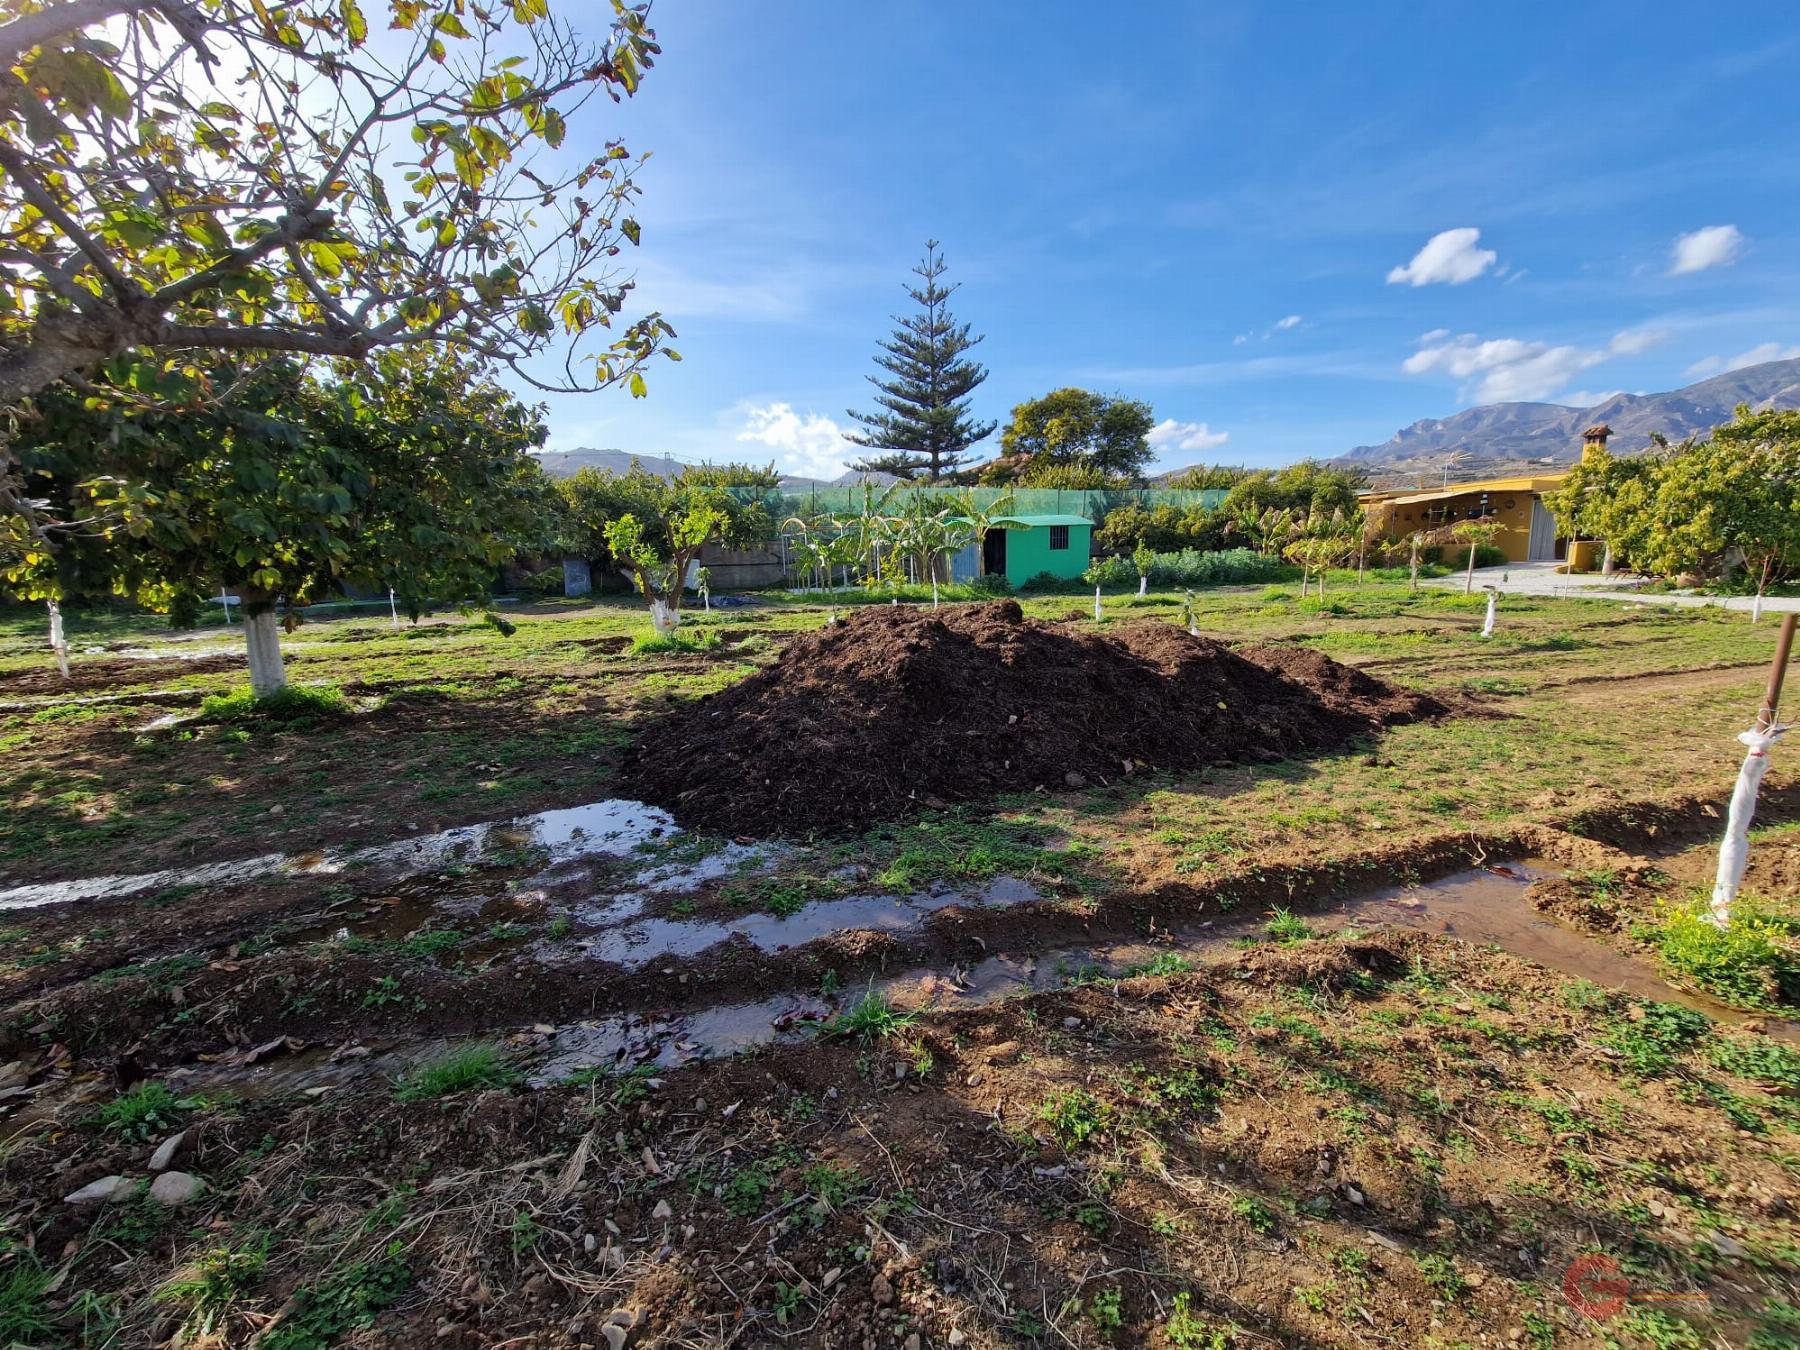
(665, 618)
(58, 643)
(1097, 609)
(1487, 627)
(262, 643)
(1734, 853)
(1607, 566)
(934, 589)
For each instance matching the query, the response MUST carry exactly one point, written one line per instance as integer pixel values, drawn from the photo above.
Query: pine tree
(925, 426)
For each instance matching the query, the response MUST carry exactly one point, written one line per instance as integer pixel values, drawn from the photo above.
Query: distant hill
(1514, 437)
(566, 463)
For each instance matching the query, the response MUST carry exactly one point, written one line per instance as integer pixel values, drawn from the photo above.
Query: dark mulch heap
(899, 708)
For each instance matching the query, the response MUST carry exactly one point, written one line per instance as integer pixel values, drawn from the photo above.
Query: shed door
(1542, 545)
(993, 552)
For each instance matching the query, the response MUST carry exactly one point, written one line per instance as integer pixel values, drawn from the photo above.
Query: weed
(474, 1066)
(789, 1299)
(1764, 1060)
(1185, 1331)
(559, 928)
(1094, 1218)
(1254, 1212)
(1442, 1275)
(1074, 1115)
(1285, 928)
(1664, 1330)
(213, 1282)
(385, 992)
(1164, 963)
(680, 641)
(148, 1109)
(746, 1190)
(1749, 964)
(1106, 1310)
(871, 1019)
(24, 1318)
(1660, 1033)
(346, 1300)
(525, 1232)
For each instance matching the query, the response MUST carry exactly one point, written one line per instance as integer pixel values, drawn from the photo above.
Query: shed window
(1059, 536)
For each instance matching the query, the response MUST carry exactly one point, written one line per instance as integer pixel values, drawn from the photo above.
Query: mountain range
(1519, 437)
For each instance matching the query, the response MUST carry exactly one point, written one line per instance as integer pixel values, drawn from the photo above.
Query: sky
(1291, 229)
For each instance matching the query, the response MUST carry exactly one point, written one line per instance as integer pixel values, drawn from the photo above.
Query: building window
(1059, 536)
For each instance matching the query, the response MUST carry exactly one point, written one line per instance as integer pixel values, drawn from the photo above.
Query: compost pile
(897, 709)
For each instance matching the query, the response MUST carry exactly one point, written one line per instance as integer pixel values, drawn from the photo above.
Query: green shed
(1059, 545)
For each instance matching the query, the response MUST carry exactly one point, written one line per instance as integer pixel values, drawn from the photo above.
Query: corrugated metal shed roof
(1045, 520)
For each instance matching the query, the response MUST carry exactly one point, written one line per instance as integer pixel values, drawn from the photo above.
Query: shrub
(992, 583)
(1456, 556)
(296, 705)
(1193, 568)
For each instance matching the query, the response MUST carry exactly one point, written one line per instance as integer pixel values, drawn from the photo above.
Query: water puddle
(615, 828)
(635, 942)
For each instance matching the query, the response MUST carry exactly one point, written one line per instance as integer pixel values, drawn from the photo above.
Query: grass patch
(24, 1318)
(871, 1019)
(149, 1109)
(297, 705)
(680, 641)
(474, 1066)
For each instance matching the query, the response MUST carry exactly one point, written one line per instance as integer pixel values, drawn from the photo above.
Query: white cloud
(1240, 339)
(1767, 351)
(1511, 370)
(1450, 257)
(1711, 246)
(1169, 434)
(1292, 321)
(1279, 326)
(812, 446)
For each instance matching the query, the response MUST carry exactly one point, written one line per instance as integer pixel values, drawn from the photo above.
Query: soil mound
(899, 708)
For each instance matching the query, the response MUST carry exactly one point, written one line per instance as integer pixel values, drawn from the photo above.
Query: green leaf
(356, 28)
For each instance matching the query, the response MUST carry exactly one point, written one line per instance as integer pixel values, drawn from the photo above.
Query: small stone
(277, 809)
(1727, 1246)
(615, 1336)
(176, 1188)
(1354, 1194)
(100, 1192)
(1071, 779)
(956, 1336)
(881, 1289)
(1071, 1022)
(165, 1152)
(912, 1342)
(621, 1317)
(831, 1277)
(589, 1243)
(662, 1210)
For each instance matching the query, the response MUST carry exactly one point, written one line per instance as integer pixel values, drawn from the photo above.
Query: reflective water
(614, 827)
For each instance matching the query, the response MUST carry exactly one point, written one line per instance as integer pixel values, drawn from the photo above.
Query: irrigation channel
(1484, 906)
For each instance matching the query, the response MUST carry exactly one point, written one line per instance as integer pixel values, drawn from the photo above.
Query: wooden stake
(1784, 646)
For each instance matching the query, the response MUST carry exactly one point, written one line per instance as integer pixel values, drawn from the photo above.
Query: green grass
(24, 1317)
(296, 705)
(682, 640)
(1286, 928)
(473, 1066)
(344, 1301)
(872, 1018)
(147, 1110)
(213, 1281)
(1075, 1115)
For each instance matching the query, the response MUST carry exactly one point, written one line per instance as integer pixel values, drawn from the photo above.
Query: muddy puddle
(635, 942)
(1484, 907)
(615, 827)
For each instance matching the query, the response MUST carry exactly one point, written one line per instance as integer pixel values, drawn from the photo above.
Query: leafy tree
(652, 529)
(923, 423)
(411, 473)
(1303, 488)
(1166, 529)
(1477, 534)
(1082, 429)
(1204, 477)
(1605, 497)
(179, 180)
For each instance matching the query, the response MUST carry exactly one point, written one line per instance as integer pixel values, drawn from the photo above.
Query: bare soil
(898, 709)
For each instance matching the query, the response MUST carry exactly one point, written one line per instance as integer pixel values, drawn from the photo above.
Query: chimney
(1596, 436)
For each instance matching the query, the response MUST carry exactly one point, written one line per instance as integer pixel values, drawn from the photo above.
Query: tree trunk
(1415, 567)
(58, 643)
(1097, 610)
(1321, 581)
(1487, 627)
(1469, 577)
(665, 616)
(1143, 587)
(262, 643)
(1607, 565)
(1762, 584)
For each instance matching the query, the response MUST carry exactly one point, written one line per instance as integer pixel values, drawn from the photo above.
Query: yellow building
(1516, 503)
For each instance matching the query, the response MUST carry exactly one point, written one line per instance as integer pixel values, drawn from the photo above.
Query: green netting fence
(1094, 503)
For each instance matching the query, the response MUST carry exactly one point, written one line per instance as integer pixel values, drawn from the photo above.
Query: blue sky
(1292, 229)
